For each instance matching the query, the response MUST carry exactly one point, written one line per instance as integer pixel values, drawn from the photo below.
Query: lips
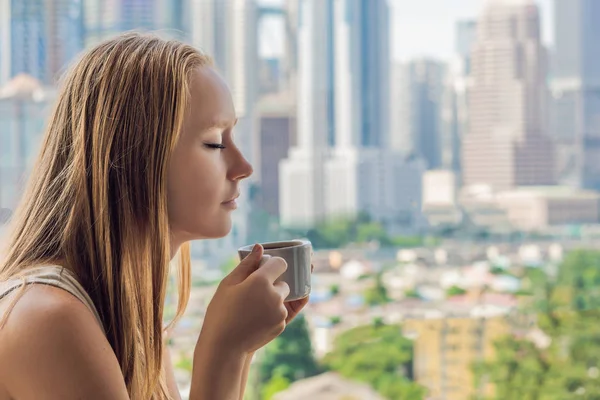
(232, 199)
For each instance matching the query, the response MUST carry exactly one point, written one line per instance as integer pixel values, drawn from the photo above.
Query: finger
(247, 266)
(283, 289)
(272, 269)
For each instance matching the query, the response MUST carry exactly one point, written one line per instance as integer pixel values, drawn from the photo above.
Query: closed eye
(215, 146)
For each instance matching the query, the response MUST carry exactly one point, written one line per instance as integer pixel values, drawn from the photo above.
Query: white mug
(298, 255)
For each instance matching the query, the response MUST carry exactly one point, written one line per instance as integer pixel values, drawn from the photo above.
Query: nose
(240, 167)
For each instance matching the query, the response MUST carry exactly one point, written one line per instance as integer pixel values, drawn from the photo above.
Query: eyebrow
(222, 124)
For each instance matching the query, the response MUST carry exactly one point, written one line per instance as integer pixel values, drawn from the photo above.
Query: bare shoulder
(52, 345)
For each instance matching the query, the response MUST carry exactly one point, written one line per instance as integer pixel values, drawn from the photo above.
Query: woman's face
(206, 166)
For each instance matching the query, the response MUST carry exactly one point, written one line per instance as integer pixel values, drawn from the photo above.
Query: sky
(420, 28)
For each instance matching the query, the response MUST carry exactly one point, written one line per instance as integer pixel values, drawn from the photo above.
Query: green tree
(377, 294)
(334, 290)
(567, 313)
(455, 291)
(378, 355)
(371, 231)
(277, 383)
(291, 354)
(412, 294)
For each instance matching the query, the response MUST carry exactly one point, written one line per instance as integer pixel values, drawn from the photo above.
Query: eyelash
(215, 146)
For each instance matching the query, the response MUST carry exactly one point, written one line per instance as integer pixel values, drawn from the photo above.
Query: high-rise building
(466, 33)
(575, 85)
(507, 144)
(227, 31)
(418, 119)
(301, 185)
(362, 72)
(24, 107)
(276, 118)
(39, 38)
(107, 18)
(343, 112)
(455, 100)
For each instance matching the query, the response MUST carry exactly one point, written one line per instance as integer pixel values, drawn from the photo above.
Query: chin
(220, 231)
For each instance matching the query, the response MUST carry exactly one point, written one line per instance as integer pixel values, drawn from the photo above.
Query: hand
(295, 306)
(247, 310)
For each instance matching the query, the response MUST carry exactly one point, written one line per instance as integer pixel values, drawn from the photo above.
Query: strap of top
(54, 276)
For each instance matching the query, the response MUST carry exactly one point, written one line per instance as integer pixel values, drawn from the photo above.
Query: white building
(342, 164)
(302, 200)
(538, 208)
(507, 143)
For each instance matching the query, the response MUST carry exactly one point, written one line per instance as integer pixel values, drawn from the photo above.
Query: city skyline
(507, 144)
(422, 29)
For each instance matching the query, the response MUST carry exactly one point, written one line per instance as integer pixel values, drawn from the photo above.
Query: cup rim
(266, 245)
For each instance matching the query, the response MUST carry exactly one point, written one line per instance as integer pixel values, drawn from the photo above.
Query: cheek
(195, 190)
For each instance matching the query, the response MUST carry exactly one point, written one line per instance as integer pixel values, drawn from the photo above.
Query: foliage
(335, 320)
(184, 363)
(334, 290)
(377, 294)
(567, 310)
(290, 355)
(278, 383)
(378, 355)
(412, 294)
(341, 231)
(455, 291)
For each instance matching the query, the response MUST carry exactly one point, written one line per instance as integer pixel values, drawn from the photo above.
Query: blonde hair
(97, 198)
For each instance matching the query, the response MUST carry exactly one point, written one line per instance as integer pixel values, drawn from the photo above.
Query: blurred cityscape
(453, 201)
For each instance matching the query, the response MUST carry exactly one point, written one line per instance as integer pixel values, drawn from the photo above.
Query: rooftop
(328, 386)
(24, 86)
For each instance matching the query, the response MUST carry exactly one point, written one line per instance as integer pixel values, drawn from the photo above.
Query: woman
(138, 159)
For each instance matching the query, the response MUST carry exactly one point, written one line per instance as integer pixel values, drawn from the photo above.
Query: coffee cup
(298, 255)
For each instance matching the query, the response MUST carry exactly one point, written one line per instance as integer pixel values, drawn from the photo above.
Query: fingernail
(255, 249)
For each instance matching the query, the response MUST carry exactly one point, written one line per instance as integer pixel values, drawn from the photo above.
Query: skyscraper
(24, 107)
(302, 198)
(362, 72)
(575, 88)
(276, 120)
(38, 37)
(418, 110)
(455, 100)
(342, 165)
(227, 31)
(507, 143)
(107, 18)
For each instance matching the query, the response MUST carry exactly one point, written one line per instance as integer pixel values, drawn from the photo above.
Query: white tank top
(54, 276)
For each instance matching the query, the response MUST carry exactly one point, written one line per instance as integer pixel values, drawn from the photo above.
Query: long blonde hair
(97, 198)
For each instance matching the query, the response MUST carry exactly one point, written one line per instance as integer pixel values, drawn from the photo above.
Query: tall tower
(418, 123)
(455, 103)
(301, 174)
(575, 89)
(507, 143)
(341, 165)
(24, 107)
(362, 72)
(38, 37)
(107, 18)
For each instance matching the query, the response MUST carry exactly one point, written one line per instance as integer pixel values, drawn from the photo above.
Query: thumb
(247, 266)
